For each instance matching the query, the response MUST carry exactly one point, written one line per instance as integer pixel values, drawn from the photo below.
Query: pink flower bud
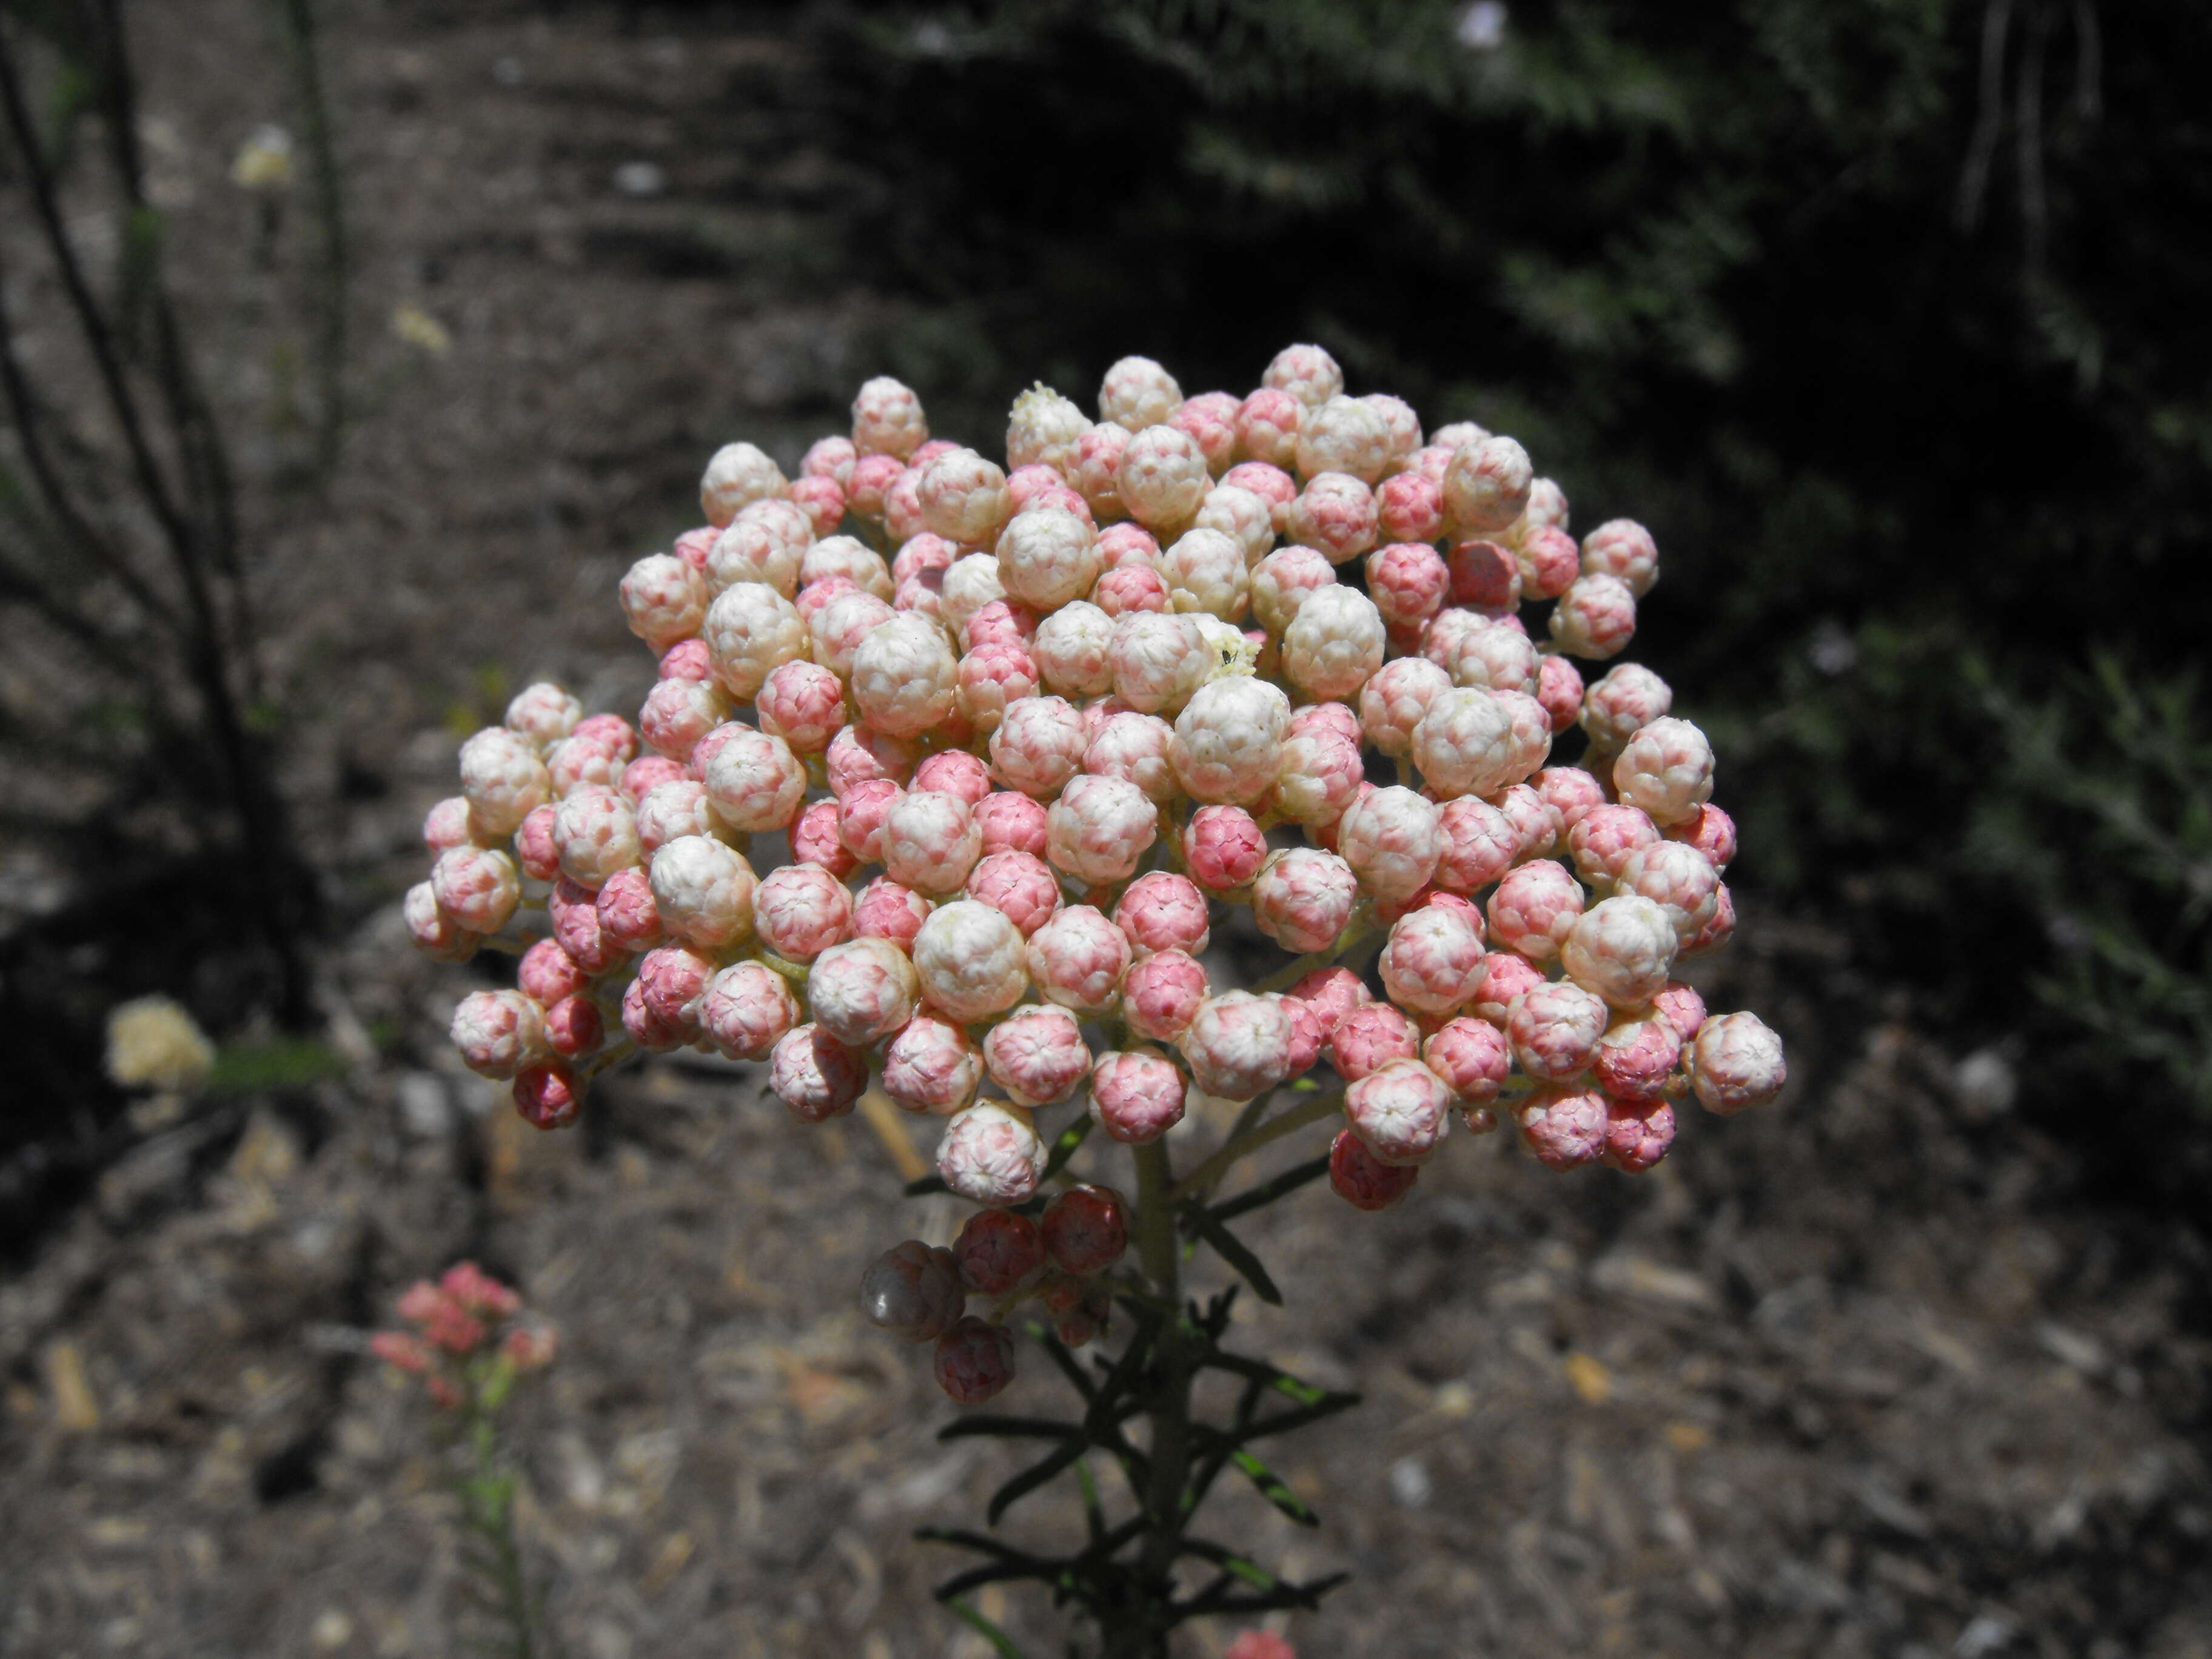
(998, 1251)
(1638, 1134)
(1331, 993)
(1471, 1058)
(1335, 514)
(971, 960)
(1163, 912)
(686, 659)
(1002, 621)
(1132, 588)
(829, 457)
(1678, 879)
(822, 501)
(914, 1290)
(1363, 1180)
(645, 775)
(1210, 421)
(763, 545)
(1554, 1029)
(1410, 507)
(1011, 822)
(974, 1361)
(1394, 700)
(1432, 961)
(887, 911)
(647, 1028)
(610, 731)
(1628, 698)
(476, 889)
(1099, 827)
(575, 1028)
(1486, 486)
(1086, 1229)
(859, 754)
(1624, 550)
(1534, 909)
(628, 914)
(887, 419)
(991, 1155)
(1407, 580)
(815, 1076)
(446, 824)
(1267, 425)
(1559, 689)
(693, 545)
(747, 1010)
(1604, 839)
(1223, 849)
(535, 848)
(861, 817)
(1570, 792)
(1073, 650)
(1549, 562)
(803, 704)
(921, 555)
(1301, 897)
(548, 1098)
(1037, 1055)
(1038, 747)
(1237, 1045)
(1498, 658)
(703, 890)
(1566, 1128)
(1596, 617)
(862, 991)
(1506, 976)
(964, 497)
(1319, 776)
(1666, 768)
(1098, 470)
(1369, 1037)
(905, 677)
(1400, 1112)
(1307, 372)
(1390, 839)
(1135, 748)
(1244, 515)
(1136, 1097)
(1636, 1057)
(932, 1066)
(1161, 994)
(1477, 845)
(1077, 958)
(993, 678)
(1484, 574)
(815, 839)
(547, 973)
(664, 598)
(1736, 1061)
(498, 1033)
(800, 910)
(1018, 885)
(575, 913)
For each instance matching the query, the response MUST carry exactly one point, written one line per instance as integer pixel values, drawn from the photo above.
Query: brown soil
(1864, 1372)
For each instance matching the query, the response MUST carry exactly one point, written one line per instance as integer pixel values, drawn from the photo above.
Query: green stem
(1141, 1630)
(1311, 1110)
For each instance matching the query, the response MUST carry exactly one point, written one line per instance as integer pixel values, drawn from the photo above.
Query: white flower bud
(1228, 740)
(1137, 393)
(703, 890)
(1336, 641)
(1047, 557)
(1074, 650)
(1043, 428)
(752, 630)
(737, 475)
(1206, 571)
(905, 677)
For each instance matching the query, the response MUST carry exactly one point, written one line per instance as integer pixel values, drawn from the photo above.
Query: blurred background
(351, 349)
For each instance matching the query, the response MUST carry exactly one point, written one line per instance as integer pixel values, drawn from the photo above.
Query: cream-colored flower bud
(1388, 837)
(1137, 392)
(973, 961)
(737, 475)
(1207, 571)
(753, 780)
(1047, 557)
(1497, 658)
(1464, 744)
(905, 678)
(1666, 769)
(1099, 827)
(1392, 702)
(1074, 650)
(1159, 660)
(1043, 428)
(503, 779)
(703, 890)
(1307, 373)
(964, 497)
(1282, 580)
(752, 630)
(1240, 513)
(1334, 643)
(1228, 744)
(972, 583)
(1162, 479)
(1623, 949)
(1486, 486)
(1344, 435)
(765, 543)
(888, 419)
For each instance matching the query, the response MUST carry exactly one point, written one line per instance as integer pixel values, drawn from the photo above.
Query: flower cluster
(467, 1342)
(1030, 730)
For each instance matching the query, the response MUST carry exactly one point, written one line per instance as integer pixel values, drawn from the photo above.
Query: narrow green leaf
(990, 1632)
(1031, 1478)
(1233, 1250)
(981, 1543)
(1273, 1488)
(1057, 1351)
(1284, 1422)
